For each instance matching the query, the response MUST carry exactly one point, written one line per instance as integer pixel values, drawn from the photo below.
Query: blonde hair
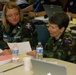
(10, 5)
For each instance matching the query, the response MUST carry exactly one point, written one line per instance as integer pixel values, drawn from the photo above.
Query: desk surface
(71, 68)
(42, 19)
(9, 66)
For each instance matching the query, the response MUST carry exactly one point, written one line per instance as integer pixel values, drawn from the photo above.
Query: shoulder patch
(68, 40)
(28, 26)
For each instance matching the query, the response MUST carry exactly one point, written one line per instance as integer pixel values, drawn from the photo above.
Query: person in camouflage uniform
(61, 44)
(15, 27)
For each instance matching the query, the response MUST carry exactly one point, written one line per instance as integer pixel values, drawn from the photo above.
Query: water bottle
(15, 53)
(39, 51)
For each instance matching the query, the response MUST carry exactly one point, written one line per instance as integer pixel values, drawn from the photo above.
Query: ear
(62, 29)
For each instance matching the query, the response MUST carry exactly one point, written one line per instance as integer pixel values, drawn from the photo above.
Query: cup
(27, 63)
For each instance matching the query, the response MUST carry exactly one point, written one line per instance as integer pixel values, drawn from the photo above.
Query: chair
(43, 33)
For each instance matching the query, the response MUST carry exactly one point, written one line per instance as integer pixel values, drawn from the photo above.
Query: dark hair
(60, 19)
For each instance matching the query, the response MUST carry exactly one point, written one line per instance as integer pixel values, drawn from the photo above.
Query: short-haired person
(61, 44)
(70, 8)
(37, 9)
(15, 27)
(22, 3)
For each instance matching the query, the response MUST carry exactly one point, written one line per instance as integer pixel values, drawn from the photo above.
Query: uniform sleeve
(29, 33)
(38, 6)
(36, 3)
(3, 44)
(70, 48)
(34, 37)
(48, 49)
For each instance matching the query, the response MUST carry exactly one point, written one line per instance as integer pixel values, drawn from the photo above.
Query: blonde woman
(15, 27)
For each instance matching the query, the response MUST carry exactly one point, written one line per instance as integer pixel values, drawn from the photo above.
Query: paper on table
(1, 50)
(42, 19)
(74, 21)
(23, 47)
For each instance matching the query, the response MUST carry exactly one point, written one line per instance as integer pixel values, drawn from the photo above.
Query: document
(74, 21)
(23, 47)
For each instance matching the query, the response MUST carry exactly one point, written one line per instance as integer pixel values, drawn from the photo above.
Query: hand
(32, 53)
(31, 14)
(7, 52)
(69, 14)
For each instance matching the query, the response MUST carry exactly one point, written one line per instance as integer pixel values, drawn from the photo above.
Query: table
(71, 68)
(9, 66)
(14, 69)
(42, 19)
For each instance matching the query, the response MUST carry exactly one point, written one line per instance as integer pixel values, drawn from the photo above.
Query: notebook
(46, 68)
(5, 59)
(51, 9)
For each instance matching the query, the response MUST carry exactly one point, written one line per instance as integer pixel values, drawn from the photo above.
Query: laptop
(46, 68)
(51, 9)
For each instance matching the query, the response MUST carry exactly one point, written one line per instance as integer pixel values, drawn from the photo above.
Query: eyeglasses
(11, 15)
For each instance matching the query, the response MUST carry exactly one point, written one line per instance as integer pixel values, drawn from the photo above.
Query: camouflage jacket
(23, 31)
(63, 48)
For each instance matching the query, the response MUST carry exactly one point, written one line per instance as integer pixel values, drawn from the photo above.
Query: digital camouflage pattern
(23, 31)
(63, 48)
